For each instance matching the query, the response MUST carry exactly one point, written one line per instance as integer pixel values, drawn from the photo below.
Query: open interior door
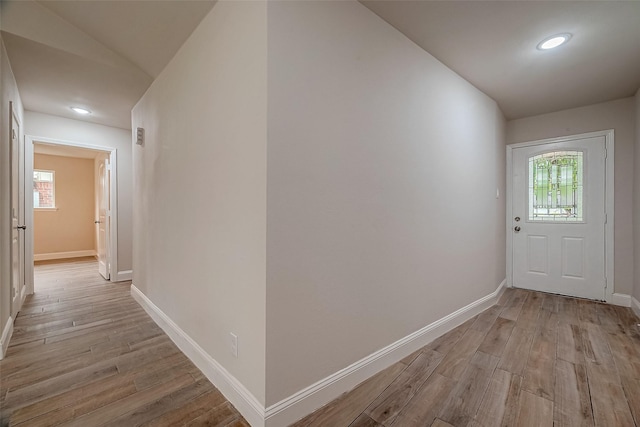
(104, 217)
(17, 217)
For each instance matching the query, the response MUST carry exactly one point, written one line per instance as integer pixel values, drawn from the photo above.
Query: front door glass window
(556, 187)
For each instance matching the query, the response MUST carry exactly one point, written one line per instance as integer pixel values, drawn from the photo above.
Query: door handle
(516, 228)
(96, 222)
(21, 227)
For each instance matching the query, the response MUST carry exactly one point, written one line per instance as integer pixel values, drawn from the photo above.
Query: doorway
(18, 228)
(560, 215)
(83, 214)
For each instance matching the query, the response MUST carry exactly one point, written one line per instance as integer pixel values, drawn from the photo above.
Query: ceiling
(492, 44)
(103, 54)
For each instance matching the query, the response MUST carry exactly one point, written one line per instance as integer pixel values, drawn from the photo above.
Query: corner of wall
(205, 152)
(241, 398)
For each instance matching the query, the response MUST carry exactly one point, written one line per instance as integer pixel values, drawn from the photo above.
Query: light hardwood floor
(84, 353)
(531, 360)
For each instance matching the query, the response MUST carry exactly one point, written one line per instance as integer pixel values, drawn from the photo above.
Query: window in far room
(44, 189)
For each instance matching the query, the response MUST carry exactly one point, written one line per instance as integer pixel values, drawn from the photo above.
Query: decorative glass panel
(556, 186)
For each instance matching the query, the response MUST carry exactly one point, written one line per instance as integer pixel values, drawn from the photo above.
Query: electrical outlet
(234, 344)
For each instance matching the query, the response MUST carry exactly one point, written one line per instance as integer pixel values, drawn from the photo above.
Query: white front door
(104, 217)
(558, 217)
(17, 215)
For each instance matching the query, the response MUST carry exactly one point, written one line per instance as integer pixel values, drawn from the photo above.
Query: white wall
(382, 214)
(636, 198)
(200, 192)
(617, 115)
(54, 127)
(8, 93)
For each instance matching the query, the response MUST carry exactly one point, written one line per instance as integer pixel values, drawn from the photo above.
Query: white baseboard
(241, 398)
(123, 276)
(6, 336)
(622, 300)
(635, 306)
(324, 391)
(63, 255)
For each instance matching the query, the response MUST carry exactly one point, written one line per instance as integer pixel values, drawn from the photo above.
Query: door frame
(103, 163)
(113, 232)
(22, 246)
(610, 295)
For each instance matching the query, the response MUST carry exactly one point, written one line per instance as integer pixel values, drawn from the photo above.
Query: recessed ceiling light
(554, 41)
(81, 110)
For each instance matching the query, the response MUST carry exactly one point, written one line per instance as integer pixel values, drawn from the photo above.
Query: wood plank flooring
(84, 353)
(531, 360)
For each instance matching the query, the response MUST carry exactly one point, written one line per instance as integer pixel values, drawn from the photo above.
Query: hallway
(84, 353)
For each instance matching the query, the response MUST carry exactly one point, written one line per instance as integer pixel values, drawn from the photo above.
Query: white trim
(113, 252)
(23, 295)
(243, 400)
(622, 300)
(113, 216)
(123, 276)
(63, 255)
(610, 211)
(21, 196)
(28, 216)
(609, 203)
(635, 306)
(6, 336)
(509, 215)
(324, 391)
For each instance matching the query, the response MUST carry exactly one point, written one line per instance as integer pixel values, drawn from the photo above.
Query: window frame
(53, 190)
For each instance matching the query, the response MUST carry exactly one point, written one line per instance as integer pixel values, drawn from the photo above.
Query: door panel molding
(113, 234)
(610, 295)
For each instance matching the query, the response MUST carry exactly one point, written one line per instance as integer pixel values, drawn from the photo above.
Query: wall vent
(140, 136)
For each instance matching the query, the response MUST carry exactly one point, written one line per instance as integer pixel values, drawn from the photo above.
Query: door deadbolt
(517, 218)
